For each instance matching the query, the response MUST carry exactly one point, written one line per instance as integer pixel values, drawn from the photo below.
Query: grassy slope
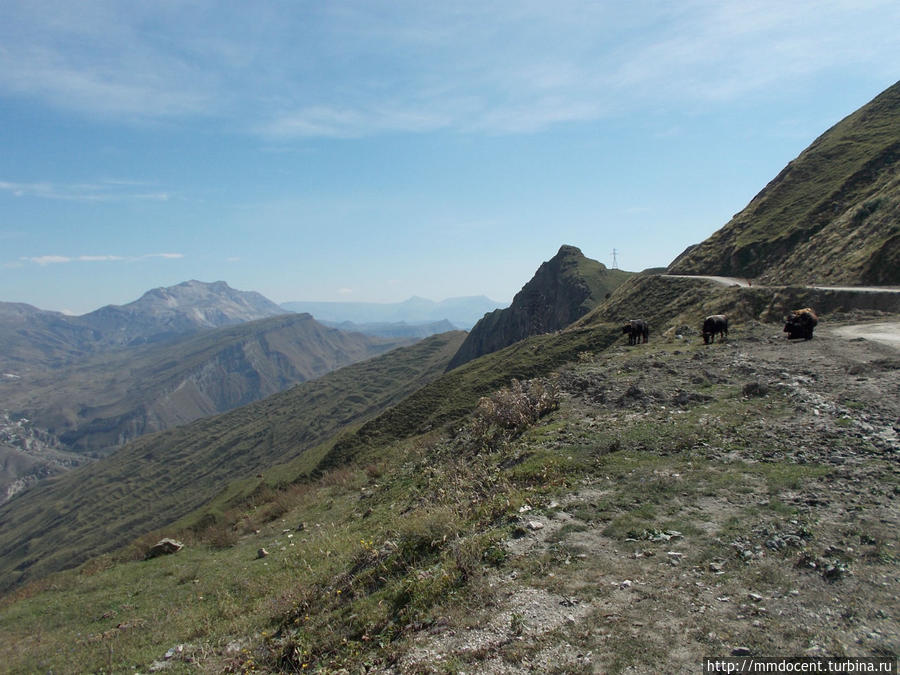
(456, 393)
(162, 477)
(363, 586)
(826, 217)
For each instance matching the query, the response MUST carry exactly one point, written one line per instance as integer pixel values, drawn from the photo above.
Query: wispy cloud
(59, 259)
(357, 68)
(103, 191)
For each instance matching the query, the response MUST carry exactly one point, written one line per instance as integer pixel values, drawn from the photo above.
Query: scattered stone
(626, 584)
(740, 651)
(261, 553)
(164, 547)
(835, 570)
(535, 525)
(755, 597)
(177, 650)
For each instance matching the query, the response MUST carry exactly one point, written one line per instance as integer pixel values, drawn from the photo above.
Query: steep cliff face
(830, 216)
(562, 290)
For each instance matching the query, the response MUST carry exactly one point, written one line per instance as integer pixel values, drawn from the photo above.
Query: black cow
(717, 323)
(636, 329)
(800, 323)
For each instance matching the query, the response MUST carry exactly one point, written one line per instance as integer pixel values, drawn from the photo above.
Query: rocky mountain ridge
(176, 310)
(36, 338)
(562, 290)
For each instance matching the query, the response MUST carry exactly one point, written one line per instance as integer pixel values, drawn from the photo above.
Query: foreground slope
(831, 216)
(159, 478)
(110, 398)
(683, 501)
(563, 289)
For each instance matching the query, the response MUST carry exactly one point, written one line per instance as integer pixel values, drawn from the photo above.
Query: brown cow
(800, 323)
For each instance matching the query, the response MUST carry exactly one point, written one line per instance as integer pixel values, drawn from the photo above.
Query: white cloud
(103, 191)
(59, 259)
(363, 67)
(345, 291)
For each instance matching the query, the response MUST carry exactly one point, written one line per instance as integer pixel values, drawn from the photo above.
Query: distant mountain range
(109, 398)
(185, 308)
(462, 312)
(831, 216)
(76, 386)
(397, 329)
(35, 337)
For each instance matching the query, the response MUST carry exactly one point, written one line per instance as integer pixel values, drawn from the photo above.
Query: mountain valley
(534, 496)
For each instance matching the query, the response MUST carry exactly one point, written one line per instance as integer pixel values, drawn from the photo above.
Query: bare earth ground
(776, 532)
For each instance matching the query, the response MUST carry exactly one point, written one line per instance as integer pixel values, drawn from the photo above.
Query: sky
(366, 150)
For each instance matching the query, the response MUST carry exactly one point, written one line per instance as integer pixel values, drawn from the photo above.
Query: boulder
(164, 547)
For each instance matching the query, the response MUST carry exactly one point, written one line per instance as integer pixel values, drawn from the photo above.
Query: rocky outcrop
(562, 290)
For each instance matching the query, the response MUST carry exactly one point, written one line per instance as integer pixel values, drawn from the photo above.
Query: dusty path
(737, 281)
(885, 332)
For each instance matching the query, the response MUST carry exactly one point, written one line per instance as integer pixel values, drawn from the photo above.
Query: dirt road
(885, 332)
(737, 281)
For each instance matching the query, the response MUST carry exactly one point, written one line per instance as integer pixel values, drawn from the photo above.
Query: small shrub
(514, 409)
(220, 536)
(426, 532)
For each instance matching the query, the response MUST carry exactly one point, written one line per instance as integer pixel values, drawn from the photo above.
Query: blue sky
(369, 150)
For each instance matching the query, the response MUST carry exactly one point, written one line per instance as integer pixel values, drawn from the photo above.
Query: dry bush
(220, 535)
(517, 407)
(339, 477)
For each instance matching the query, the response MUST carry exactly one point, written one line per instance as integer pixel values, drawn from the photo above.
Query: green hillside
(831, 216)
(162, 477)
